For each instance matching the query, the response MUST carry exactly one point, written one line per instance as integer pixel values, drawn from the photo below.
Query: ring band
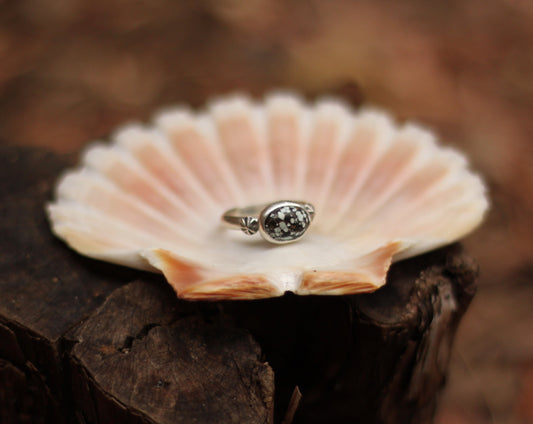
(279, 222)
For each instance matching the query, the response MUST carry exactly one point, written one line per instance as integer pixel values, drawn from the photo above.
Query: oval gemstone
(286, 223)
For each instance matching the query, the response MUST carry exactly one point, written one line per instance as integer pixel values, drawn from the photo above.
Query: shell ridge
(97, 245)
(260, 122)
(88, 187)
(381, 136)
(239, 131)
(463, 215)
(450, 181)
(327, 120)
(437, 183)
(418, 153)
(123, 164)
(212, 137)
(143, 144)
(68, 212)
(427, 224)
(456, 195)
(301, 168)
(68, 216)
(194, 141)
(284, 126)
(345, 129)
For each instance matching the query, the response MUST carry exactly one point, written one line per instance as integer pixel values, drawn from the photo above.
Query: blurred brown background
(72, 70)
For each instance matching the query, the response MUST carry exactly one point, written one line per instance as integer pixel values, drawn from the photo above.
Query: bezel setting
(285, 221)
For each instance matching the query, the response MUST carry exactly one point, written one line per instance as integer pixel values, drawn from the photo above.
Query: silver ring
(279, 222)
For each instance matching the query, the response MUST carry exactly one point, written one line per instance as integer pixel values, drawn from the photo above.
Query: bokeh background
(72, 70)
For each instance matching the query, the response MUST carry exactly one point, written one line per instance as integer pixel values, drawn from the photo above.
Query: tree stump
(87, 342)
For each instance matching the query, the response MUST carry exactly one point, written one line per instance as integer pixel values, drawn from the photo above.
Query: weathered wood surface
(86, 342)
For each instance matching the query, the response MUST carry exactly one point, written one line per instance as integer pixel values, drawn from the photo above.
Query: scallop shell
(153, 198)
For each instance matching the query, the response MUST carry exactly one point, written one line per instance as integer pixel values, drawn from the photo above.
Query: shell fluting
(153, 197)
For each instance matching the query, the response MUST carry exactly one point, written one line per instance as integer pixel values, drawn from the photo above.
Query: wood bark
(86, 342)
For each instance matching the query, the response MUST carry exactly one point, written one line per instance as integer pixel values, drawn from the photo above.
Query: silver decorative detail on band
(279, 222)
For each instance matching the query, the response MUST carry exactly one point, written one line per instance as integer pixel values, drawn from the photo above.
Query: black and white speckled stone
(286, 223)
